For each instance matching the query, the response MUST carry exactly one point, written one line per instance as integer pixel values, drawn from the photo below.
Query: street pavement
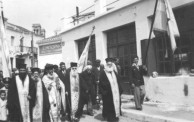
(152, 112)
(98, 117)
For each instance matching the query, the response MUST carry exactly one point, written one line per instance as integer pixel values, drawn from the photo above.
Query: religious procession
(114, 61)
(59, 94)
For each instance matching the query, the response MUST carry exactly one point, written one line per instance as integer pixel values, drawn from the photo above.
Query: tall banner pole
(151, 29)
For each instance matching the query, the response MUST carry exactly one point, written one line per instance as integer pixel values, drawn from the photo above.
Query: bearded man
(72, 92)
(21, 97)
(111, 91)
(56, 92)
(42, 106)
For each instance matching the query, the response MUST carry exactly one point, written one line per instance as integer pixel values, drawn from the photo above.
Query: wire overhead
(89, 8)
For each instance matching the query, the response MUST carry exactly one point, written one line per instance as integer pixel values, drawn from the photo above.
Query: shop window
(121, 43)
(169, 63)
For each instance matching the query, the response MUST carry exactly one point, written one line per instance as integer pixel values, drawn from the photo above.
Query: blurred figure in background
(62, 72)
(56, 68)
(116, 62)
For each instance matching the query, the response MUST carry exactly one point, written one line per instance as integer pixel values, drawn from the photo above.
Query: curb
(138, 116)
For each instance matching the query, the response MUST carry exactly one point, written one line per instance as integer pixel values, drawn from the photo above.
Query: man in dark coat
(137, 80)
(62, 72)
(42, 105)
(111, 92)
(72, 88)
(97, 69)
(87, 91)
(21, 97)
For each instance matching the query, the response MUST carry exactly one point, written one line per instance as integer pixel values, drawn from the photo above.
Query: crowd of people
(58, 94)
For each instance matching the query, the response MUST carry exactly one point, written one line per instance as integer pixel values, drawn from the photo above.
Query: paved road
(98, 117)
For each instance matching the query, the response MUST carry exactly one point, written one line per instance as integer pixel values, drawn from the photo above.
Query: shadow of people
(99, 117)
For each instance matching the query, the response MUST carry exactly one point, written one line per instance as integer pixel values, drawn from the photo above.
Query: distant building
(50, 51)
(123, 31)
(20, 42)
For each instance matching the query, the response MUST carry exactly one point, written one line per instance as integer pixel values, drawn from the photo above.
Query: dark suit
(61, 75)
(87, 92)
(97, 72)
(139, 89)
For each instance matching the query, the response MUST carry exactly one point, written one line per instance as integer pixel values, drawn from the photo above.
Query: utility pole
(77, 14)
(32, 50)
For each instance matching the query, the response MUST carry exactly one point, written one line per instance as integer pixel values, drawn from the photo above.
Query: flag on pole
(165, 21)
(4, 49)
(84, 56)
(160, 23)
(172, 25)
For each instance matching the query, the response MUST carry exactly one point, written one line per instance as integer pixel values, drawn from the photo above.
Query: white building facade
(123, 31)
(20, 42)
(50, 51)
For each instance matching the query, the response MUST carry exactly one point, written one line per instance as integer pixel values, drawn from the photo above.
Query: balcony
(25, 49)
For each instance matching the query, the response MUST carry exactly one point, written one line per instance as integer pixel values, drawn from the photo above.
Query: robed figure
(72, 91)
(56, 92)
(21, 97)
(40, 112)
(111, 92)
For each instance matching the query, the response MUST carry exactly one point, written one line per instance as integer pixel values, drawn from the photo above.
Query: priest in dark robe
(42, 106)
(21, 97)
(72, 92)
(111, 91)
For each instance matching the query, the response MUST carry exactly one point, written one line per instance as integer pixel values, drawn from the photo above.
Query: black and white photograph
(96, 60)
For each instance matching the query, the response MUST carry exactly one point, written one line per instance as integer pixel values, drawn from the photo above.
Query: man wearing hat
(21, 96)
(42, 106)
(56, 92)
(72, 91)
(111, 91)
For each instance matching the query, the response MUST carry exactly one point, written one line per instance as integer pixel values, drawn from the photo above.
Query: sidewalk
(156, 112)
